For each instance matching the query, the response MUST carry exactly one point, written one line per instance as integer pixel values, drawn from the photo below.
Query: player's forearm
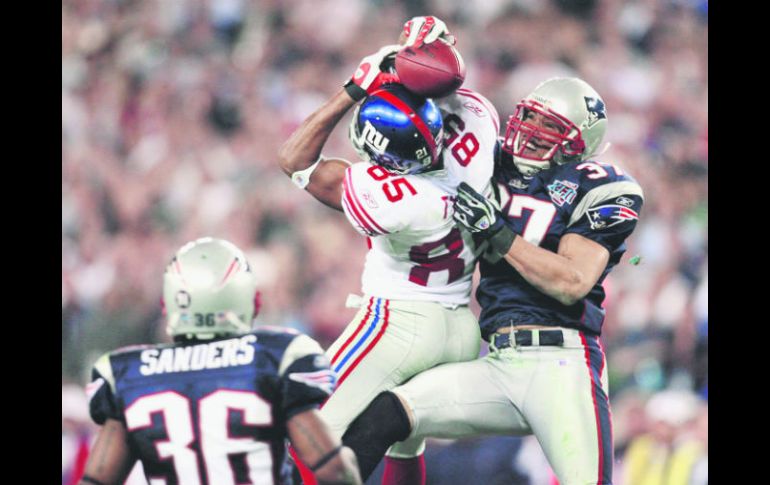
(551, 273)
(110, 459)
(304, 146)
(321, 451)
(343, 470)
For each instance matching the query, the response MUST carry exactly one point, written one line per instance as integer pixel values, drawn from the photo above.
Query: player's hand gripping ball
(369, 75)
(432, 70)
(424, 30)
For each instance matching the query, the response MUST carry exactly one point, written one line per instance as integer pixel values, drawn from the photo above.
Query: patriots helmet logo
(596, 110)
(605, 216)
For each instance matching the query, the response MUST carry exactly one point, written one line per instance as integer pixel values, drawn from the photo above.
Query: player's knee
(384, 417)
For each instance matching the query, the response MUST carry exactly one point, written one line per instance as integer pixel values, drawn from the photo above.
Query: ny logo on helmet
(373, 138)
(596, 110)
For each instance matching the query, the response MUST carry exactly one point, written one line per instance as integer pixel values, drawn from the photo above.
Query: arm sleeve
(102, 403)
(365, 203)
(306, 380)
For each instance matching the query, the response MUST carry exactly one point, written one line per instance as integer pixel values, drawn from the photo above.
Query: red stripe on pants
(370, 347)
(353, 336)
(596, 408)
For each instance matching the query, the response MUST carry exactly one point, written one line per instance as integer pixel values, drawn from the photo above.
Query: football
(432, 70)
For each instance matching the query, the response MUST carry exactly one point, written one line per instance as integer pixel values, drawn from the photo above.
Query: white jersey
(417, 252)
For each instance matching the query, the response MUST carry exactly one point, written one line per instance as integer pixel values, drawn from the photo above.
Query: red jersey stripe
(352, 213)
(350, 193)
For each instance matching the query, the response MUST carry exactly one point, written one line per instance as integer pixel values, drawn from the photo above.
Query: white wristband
(301, 178)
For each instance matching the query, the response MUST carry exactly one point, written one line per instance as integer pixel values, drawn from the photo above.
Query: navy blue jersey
(597, 201)
(212, 412)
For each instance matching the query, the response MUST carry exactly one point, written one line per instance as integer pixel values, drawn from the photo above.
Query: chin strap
(233, 319)
(604, 149)
(530, 170)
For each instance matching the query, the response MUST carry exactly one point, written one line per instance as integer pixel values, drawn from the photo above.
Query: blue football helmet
(398, 130)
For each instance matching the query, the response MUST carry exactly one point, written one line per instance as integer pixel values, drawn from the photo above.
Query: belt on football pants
(528, 338)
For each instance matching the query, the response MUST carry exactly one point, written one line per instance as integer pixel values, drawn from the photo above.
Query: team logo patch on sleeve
(604, 216)
(563, 192)
(326, 379)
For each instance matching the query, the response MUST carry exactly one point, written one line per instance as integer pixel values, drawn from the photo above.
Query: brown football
(432, 70)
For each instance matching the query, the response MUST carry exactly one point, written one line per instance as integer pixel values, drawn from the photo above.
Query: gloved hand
(479, 215)
(369, 75)
(424, 30)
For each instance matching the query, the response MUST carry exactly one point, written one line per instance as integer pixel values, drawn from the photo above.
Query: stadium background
(172, 115)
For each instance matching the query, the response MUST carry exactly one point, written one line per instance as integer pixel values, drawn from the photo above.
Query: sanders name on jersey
(214, 355)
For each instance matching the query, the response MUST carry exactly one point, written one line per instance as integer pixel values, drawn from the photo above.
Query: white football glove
(424, 30)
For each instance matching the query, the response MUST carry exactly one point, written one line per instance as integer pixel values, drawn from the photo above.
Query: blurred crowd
(173, 112)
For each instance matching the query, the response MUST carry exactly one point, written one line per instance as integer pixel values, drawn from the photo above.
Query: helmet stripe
(178, 268)
(414, 117)
(229, 270)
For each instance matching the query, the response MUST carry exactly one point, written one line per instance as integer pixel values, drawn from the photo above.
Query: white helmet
(576, 117)
(209, 290)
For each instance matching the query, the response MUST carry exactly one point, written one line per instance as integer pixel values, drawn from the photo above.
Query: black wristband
(327, 457)
(354, 90)
(88, 479)
(502, 239)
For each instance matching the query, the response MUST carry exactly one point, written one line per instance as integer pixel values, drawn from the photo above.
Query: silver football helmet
(563, 120)
(209, 290)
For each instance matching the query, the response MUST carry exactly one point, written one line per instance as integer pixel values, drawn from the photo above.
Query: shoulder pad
(276, 329)
(471, 127)
(103, 367)
(592, 173)
(467, 100)
(273, 337)
(133, 348)
(300, 346)
(618, 190)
